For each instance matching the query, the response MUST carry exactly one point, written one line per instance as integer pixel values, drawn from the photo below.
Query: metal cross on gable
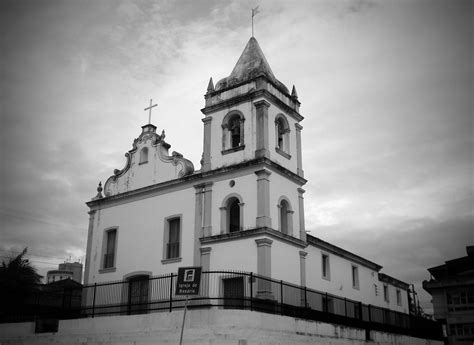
(149, 108)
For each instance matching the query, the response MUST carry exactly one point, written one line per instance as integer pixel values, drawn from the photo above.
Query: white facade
(243, 210)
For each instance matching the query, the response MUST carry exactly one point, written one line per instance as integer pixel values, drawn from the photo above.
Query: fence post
(326, 303)
(251, 291)
(305, 297)
(370, 316)
(93, 300)
(171, 292)
(345, 306)
(361, 314)
(281, 297)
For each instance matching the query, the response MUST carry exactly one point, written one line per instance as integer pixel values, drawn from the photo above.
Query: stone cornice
(342, 252)
(253, 233)
(393, 281)
(250, 97)
(189, 181)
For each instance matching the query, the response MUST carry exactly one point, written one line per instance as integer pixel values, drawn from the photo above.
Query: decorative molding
(149, 134)
(263, 242)
(283, 153)
(137, 273)
(233, 149)
(205, 250)
(253, 233)
(251, 96)
(171, 261)
(183, 182)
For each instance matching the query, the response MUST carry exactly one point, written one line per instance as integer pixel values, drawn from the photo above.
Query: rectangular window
(399, 297)
(110, 243)
(326, 274)
(355, 277)
(172, 247)
(385, 293)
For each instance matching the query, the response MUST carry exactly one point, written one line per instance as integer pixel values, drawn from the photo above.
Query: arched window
(144, 155)
(282, 134)
(234, 129)
(233, 132)
(232, 214)
(285, 216)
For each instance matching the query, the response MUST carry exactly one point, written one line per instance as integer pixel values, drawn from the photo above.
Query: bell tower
(250, 114)
(252, 140)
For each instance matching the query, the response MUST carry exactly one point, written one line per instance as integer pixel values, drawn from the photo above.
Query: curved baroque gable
(158, 166)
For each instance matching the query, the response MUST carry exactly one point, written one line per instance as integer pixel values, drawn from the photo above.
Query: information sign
(189, 281)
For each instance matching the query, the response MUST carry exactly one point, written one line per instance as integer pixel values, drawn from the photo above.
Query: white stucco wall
(246, 187)
(282, 186)
(340, 282)
(250, 139)
(286, 262)
(291, 163)
(239, 255)
(217, 158)
(139, 244)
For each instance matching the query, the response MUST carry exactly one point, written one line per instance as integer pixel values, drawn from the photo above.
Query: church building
(242, 210)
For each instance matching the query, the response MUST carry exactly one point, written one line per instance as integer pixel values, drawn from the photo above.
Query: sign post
(189, 282)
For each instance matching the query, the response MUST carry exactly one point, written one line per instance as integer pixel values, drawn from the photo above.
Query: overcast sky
(386, 89)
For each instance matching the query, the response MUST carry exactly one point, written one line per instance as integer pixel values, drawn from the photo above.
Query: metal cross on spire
(149, 108)
(254, 12)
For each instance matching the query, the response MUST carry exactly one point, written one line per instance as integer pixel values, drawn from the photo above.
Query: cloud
(385, 89)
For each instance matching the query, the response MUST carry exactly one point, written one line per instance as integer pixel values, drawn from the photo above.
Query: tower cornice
(250, 96)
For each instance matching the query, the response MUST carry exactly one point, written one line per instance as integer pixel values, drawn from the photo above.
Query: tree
(19, 281)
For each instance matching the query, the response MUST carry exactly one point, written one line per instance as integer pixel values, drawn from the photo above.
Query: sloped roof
(251, 64)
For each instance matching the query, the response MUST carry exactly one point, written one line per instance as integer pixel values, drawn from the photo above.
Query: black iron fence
(223, 289)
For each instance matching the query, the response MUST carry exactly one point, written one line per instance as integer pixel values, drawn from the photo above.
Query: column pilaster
(263, 198)
(299, 159)
(264, 267)
(262, 129)
(301, 214)
(206, 156)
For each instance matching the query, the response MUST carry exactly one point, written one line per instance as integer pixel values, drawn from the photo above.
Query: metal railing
(227, 290)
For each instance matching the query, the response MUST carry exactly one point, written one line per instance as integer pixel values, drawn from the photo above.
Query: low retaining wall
(203, 327)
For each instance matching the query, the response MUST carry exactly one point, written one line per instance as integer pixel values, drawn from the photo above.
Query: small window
(174, 235)
(355, 277)
(144, 155)
(399, 297)
(385, 294)
(326, 274)
(110, 244)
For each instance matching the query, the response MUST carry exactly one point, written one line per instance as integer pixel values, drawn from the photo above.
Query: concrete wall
(203, 327)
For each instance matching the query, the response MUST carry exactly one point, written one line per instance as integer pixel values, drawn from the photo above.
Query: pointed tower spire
(210, 86)
(294, 94)
(251, 64)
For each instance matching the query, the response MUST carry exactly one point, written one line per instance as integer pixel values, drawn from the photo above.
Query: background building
(66, 270)
(452, 287)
